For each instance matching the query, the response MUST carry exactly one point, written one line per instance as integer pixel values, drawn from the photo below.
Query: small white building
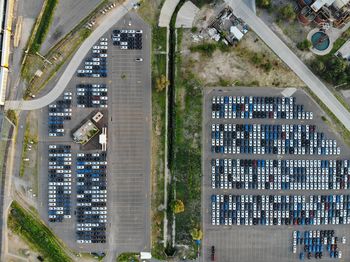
(236, 32)
(344, 51)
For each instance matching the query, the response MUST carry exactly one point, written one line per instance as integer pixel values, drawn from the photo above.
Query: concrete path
(300, 69)
(108, 21)
(166, 12)
(186, 15)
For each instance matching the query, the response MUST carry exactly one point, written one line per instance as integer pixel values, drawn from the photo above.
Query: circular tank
(320, 41)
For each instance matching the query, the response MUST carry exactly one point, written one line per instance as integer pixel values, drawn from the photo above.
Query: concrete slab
(186, 15)
(166, 12)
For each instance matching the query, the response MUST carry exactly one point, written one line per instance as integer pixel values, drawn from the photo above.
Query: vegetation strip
(43, 27)
(23, 223)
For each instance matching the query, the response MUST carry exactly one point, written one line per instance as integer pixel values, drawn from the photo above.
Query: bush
(12, 116)
(206, 48)
(196, 234)
(128, 257)
(263, 3)
(304, 45)
(332, 69)
(161, 83)
(287, 13)
(177, 206)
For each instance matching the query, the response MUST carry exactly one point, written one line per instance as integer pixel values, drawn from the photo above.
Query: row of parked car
(58, 113)
(280, 210)
(280, 174)
(59, 182)
(270, 139)
(91, 197)
(96, 65)
(127, 38)
(251, 107)
(315, 242)
(92, 95)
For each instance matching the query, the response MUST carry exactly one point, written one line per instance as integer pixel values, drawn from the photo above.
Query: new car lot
(266, 172)
(91, 208)
(280, 210)
(315, 243)
(127, 38)
(96, 65)
(110, 203)
(59, 182)
(271, 139)
(280, 174)
(251, 107)
(58, 113)
(92, 95)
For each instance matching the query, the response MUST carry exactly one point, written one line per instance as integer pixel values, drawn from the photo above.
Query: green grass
(12, 116)
(38, 236)
(158, 140)
(44, 25)
(340, 41)
(159, 38)
(28, 139)
(206, 49)
(128, 257)
(186, 166)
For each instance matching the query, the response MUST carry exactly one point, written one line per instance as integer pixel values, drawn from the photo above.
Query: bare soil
(234, 67)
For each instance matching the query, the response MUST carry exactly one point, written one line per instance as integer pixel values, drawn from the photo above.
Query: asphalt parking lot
(130, 125)
(258, 242)
(128, 121)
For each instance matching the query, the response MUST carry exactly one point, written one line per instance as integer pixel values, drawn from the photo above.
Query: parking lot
(99, 200)
(270, 166)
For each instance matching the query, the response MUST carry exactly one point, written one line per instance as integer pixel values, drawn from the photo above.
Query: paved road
(73, 65)
(67, 15)
(287, 55)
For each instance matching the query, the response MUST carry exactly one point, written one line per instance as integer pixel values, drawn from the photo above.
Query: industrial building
(6, 15)
(322, 13)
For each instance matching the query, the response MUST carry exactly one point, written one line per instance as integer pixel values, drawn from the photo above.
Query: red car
(212, 253)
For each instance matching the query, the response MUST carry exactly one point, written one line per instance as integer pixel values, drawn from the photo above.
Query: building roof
(236, 32)
(318, 4)
(340, 3)
(344, 51)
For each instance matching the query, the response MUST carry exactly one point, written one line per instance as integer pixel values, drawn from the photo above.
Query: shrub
(206, 48)
(304, 45)
(177, 206)
(263, 3)
(287, 13)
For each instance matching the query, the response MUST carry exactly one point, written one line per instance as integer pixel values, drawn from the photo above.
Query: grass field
(187, 148)
(38, 236)
(43, 26)
(158, 143)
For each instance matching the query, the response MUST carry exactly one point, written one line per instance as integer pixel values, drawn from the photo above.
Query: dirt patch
(235, 66)
(20, 249)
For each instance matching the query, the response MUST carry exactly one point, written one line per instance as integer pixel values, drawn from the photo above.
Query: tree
(304, 45)
(161, 83)
(287, 12)
(318, 66)
(263, 3)
(196, 234)
(177, 206)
